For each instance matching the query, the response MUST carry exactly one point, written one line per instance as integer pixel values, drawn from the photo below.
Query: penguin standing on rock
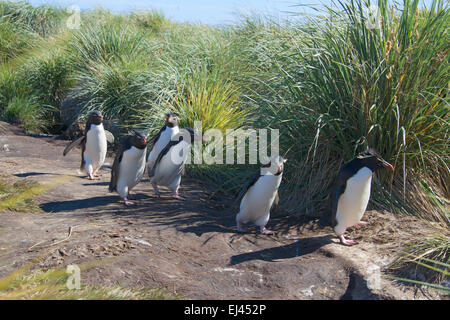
(169, 165)
(129, 165)
(351, 192)
(93, 145)
(163, 137)
(260, 194)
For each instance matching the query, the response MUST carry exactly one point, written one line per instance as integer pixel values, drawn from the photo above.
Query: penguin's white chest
(161, 143)
(131, 168)
(168, 170)
(256, 203)
(353, 202)
(96, 145)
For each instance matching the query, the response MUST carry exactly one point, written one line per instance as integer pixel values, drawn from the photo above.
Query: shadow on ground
(298, 248)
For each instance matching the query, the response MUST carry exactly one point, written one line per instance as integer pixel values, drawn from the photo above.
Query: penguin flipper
(163, 152)
(156, 137)
(109, 136)
(73, 144)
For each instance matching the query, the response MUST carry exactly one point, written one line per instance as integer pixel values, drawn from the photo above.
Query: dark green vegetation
(332, 84)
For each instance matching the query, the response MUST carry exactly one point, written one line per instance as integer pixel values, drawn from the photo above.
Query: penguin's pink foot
(92, 177)
(97, 174)
(263, 230)
(127, 202)
(347, 242)
(176, 196)
(360, 224)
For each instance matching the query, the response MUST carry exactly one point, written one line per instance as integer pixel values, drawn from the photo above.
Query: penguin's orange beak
(279, 169)
(388, 166)
(101, 118)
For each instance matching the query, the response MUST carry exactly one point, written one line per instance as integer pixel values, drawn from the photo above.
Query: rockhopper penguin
(93, 144)
(162, 138)
(129, 165)
(351, 192)
(169, 165)
(259, 195)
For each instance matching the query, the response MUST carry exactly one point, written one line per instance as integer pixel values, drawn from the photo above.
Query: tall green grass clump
(381, 83)
(47, 78)
(427, 257)
(363, 82)
(27, 112)
(213, 102)
(109, 71)
(13, 40)
(43, 20)
(149, 21)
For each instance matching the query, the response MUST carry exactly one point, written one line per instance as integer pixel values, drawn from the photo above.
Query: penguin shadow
(298, 248)
(100, 183)
(70, 205)
(31, 174)
(106, 167)
(210, 226)
(216, 218)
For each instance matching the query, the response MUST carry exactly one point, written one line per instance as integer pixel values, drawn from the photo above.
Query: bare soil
(187, 247)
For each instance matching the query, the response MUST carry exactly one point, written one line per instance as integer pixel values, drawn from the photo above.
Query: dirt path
(189, 248)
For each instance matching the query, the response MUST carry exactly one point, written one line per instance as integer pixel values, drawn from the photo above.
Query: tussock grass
(215, 104)
(425, 262)
(43, 20)
(356, 87)
(13, 40)
(151, 21)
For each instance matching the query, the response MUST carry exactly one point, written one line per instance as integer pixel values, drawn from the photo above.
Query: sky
(213, 12)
